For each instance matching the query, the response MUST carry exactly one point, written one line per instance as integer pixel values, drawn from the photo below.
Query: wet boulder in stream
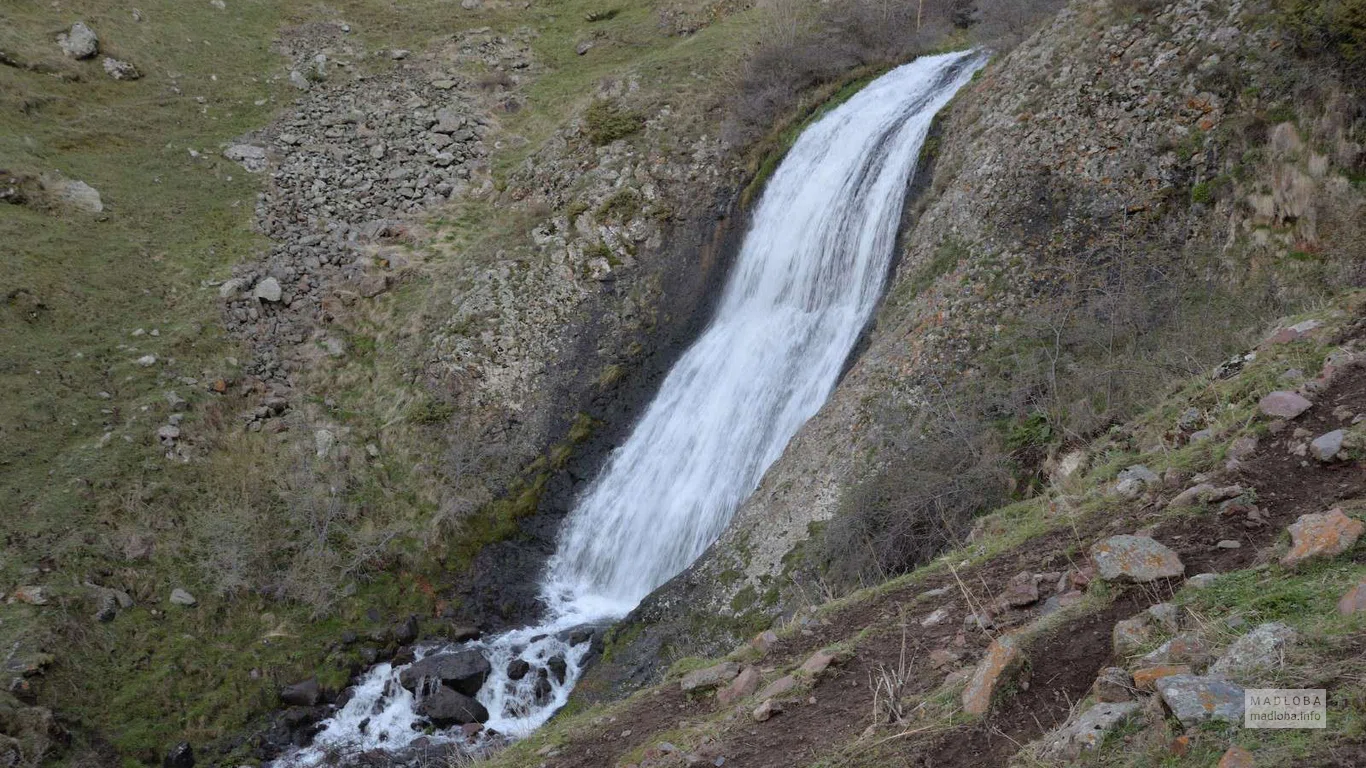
(445, 707)
(463, 671)
(518, 669)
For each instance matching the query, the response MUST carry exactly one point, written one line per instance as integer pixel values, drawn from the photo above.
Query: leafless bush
(919, 503)
(807, 45)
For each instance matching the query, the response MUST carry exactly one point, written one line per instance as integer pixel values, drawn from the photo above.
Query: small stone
(583, 47)
(1185, 648)
(1131, 634)
(1140, 473)
(1321, 535)
(936, 617)
(1243, 448)
(1022, 590)
(1165, 615)
(1228, 544)
(1194, 700)
(180, 756)
(120, 70)
(1058, 602)
(1259, 649)
(79, 42)
(779, 687)
(181, 597)
(1201, 580)
(1354, 601)
(1146, 678)
(297, 79)
(817, 663)
(742, 686)
(323, 442)
(147, 361)
(1236, 757)
(30, 595)
(1135, 558)
(1002, 658)
(941, 657)
(1113, 684)
(766, 710)
(711, 677)
(1325, 447)
(764, 641)
(268, 290)
(251, 157)
(374, 285)
(1087, 731)
(1283, 405)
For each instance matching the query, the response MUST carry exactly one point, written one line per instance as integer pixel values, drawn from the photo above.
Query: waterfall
(804, 286)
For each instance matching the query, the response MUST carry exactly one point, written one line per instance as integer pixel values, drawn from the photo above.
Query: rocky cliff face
(1116, 151)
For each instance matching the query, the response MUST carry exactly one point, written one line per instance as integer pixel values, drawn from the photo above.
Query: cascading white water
(805, 283)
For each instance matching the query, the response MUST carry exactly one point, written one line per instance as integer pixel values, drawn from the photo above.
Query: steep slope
(1119, 201)
(1034, 644)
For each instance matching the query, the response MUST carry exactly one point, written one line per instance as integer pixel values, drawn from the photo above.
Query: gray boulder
(1135, 558)
(79, 42)
(268, 290)
(1259, 649)
(445, 707)
(303, 694)
(120, 70)
(463, 671)
(1325, 447)
(1087, 731)
(1194, 700)
(711, 677)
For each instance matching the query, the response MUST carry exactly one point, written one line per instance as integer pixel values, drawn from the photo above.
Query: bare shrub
(807, 45)
(919, 503)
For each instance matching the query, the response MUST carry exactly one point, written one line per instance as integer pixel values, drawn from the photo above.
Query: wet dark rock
(406, 631)
(542, 688)
(404, 655)
(518, 669)
(463, 671)
(464, 633)
(302, 694)
(446, 707)
(180, 756)
(558, 668)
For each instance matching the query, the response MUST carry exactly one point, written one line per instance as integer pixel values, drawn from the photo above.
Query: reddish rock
(1354, 601)
(1283, 405)
(818, 662)
(766, 710)
(1022, 590)
(940, 658)
(1135, 558)
(711, 677)
(764, 641)
(1185, 648)
(1145, 679)
(743, 685)
(1236, 757)
(1002, 659)
(1113, 685)
(1181, 745)
(778, 687)
(1321, 535)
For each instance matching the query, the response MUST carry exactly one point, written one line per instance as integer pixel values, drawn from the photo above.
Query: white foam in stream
(804, 285)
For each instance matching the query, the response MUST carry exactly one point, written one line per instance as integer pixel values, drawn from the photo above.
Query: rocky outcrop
(1099, 131)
